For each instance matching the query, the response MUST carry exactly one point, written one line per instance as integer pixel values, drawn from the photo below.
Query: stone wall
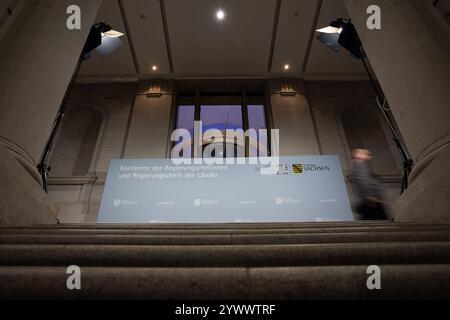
(321, 118)
(79, 197)
(346, 116)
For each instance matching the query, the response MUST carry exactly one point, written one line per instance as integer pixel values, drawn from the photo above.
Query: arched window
(74, 150)
(230, 112)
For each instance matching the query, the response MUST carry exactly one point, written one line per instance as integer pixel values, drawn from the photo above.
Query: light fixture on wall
(341, 33)
(287, 89)
(105, 41)
(154, 89)
(286, 67)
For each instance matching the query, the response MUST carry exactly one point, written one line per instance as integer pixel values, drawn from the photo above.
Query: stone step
(222, 231)
(246, 225)
(226, 256)
(226, 239)
(330, 282)
(205, 226)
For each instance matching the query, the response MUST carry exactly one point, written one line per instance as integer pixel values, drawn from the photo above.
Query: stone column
(38, 55)
(148, 134)
(292, 116)
(410, 56)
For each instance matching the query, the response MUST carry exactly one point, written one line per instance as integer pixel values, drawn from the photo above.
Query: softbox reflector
(109, 45)
(331, 40)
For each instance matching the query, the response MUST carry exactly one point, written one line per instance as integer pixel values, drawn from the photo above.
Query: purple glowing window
(185, 118)
(256, 117)
(221, 117)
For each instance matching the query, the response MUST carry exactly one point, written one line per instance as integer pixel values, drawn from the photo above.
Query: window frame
(196, 95)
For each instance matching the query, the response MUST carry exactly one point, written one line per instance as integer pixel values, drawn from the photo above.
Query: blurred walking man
(367, 187)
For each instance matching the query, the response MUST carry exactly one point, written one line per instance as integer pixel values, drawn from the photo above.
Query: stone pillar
(149, 126)
(38, 55)
(411, 59)
(292, 116)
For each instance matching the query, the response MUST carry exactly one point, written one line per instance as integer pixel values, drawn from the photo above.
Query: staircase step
(226, 256)
(318, 260)
(258, 225)
(222, 231)
(335, 282)
(226, 239)
(216, 226)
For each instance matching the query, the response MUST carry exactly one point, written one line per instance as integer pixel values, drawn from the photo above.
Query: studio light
(330, 29)
(341, 33)
(103, 39)
(112, 33)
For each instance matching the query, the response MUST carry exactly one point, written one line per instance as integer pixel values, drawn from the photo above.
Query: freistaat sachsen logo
(297, 168)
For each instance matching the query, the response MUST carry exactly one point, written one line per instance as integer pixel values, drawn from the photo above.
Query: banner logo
(297, 168)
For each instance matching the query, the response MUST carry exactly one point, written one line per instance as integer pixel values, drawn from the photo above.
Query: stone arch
(77, 142)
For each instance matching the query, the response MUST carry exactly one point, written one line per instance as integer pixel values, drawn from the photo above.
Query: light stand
(345, 33)
(407, 162)
(43, 167)
(98, 32)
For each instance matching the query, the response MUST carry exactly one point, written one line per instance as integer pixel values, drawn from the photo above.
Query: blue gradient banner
(306, 188)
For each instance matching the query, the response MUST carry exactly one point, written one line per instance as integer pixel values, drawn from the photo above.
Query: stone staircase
(326, 260)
